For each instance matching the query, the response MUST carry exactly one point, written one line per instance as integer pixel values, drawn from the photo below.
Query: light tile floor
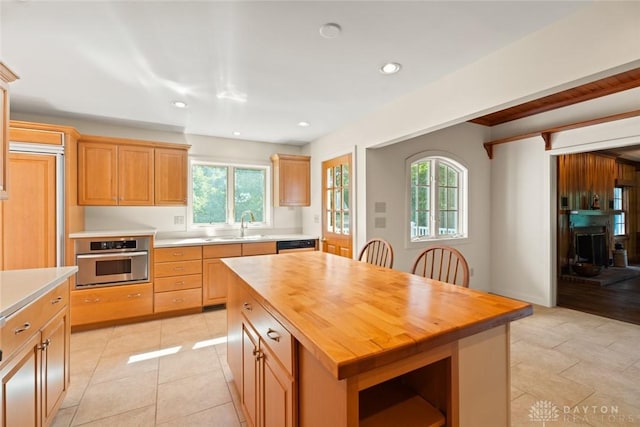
(575, 369)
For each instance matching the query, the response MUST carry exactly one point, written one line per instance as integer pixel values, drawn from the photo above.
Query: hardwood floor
(620, 300)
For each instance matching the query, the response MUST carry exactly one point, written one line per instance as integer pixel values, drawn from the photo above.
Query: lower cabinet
(178, 276)
(35, 375)
(214, 279)
(265, 376)
(114, 302)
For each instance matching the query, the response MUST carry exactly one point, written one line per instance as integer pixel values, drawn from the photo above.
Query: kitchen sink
(234, 238)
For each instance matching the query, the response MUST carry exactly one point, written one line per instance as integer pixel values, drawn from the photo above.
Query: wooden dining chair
(377, 252)
(442, 263)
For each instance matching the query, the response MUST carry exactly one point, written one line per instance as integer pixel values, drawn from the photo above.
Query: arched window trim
(463, 196)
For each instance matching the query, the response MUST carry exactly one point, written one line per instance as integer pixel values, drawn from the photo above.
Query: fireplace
(590, 236)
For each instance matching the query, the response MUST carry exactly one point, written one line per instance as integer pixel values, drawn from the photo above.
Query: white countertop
(113, 233)
(217, 240)
(20, 287)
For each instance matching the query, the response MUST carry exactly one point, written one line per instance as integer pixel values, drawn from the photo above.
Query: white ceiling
(125, 61)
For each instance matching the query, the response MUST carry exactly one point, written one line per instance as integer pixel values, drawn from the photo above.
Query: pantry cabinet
(6, 76)
(291, 180)
(120, 172)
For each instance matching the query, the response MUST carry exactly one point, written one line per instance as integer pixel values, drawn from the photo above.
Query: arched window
(437, 198)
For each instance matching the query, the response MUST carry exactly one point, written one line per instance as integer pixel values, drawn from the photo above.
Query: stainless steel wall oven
(111, 262)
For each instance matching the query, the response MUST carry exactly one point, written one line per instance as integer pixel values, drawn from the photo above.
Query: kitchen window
(437, 198)
(220, 193)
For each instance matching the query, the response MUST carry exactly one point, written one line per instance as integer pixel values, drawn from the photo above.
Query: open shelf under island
(315, 339)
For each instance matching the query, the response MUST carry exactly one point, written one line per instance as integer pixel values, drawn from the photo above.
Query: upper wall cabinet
(114, 172)
(170, 176)
(291, 180)
(6, 76)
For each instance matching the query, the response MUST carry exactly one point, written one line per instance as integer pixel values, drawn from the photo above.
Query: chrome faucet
(242, 223)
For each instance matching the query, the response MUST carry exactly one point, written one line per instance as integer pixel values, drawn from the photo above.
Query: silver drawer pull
(274, 335)
(138, 295)
(178, 300)
(89, 300)
(247, 306)
(180, 283)
(178, 268)
(178, 254)
(56, 300)
(23, 328)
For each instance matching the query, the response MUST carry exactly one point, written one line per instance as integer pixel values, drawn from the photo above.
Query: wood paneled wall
(580, 177)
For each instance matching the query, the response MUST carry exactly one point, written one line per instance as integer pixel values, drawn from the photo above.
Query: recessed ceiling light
(304, 124)
(179, 104)
(330, 30)
(390, 68)
(236, 133)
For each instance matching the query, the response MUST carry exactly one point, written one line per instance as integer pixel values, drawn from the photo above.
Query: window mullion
(435, 209)
(231, 185)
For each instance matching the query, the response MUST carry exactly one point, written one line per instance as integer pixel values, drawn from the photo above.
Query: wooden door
(135, 176)
(336, 206)
(54, 365)
(170, 176)
(214, 282)
(97, 174)
(29, 216)
(277, 392)
(249, 392)
(21, 387)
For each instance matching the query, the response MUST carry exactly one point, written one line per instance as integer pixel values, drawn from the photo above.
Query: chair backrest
(378, 252)
(442, 263)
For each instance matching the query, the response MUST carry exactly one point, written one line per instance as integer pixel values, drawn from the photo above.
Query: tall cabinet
(6, 76)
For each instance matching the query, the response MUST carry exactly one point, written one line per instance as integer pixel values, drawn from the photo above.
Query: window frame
(623, 210)
(230, 223)
(450, 160)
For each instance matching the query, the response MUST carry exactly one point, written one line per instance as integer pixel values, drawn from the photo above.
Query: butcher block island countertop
(357, 328)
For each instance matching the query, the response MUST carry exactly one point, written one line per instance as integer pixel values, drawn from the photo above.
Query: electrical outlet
(316, 219)
(470, 271)
(178, 220)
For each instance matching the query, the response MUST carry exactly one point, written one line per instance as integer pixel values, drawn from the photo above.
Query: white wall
(285, 220)
(598, 41)
(386, 182)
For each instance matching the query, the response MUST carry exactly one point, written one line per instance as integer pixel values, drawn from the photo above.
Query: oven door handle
(111, 255)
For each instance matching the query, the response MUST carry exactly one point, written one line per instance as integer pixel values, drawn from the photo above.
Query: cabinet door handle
(247, 306)
(56, 300)
(22, 328)
(178, 300)
(274, 335)
(177, 254)
(138, 295)
(45, 344)
(258, 354)
(180, 283)
(89, 300)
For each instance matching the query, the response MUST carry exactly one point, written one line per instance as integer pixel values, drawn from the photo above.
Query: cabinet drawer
(178, 268)
(178, 300)
(28, 320)
(115, 302)
(258, 248)
(177, 254)
(177, 283)
(222, 251)
(271, 332)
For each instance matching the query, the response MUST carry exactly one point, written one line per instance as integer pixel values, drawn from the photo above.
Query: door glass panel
(330, 222)
(330, 200)
(329, 177)
(345, 198)
(338, 177)
(345, 175)
(345, 224)
(338, 202)
(338, 224)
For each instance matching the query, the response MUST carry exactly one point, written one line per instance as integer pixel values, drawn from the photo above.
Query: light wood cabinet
(170, 176)
(267, 376)
(122, 172)
(215, 274)
(135, 176)
(178, 276)
(30, 214)
(6, 76)
(291, 180)
(35, 370)
(110, 174)
(98, 305)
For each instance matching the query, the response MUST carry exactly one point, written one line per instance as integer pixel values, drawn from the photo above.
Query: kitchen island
(315, 339)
